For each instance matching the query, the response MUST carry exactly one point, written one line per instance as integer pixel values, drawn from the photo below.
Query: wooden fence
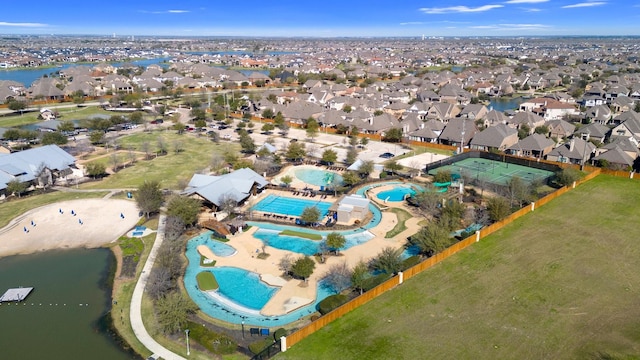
(430, 262)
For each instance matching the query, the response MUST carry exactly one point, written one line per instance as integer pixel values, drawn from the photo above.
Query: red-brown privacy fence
(309, 329)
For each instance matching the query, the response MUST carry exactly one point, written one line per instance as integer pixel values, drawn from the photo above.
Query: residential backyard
(559, 283)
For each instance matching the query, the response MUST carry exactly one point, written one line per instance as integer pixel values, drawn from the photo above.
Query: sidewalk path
(136, 302)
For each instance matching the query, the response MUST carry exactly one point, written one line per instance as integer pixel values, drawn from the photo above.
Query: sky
(327, 18)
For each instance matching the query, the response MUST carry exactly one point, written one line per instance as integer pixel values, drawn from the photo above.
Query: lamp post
(243, 329)
(187, 333)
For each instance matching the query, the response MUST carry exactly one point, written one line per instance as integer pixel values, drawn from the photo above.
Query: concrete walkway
(136, 302)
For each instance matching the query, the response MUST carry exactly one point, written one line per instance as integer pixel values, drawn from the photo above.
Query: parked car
(386, 155)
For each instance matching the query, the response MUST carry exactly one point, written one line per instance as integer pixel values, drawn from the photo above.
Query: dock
(16, 294)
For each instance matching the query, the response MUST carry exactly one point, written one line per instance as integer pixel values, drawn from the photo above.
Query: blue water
(243, 287)
(290, 206)
(299, 245)
(28, 76)
(218, 248)
(501, 105)
(318, 177)
(234, 312)
(396, 194)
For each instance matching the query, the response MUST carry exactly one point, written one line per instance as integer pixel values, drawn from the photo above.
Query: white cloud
(177, 11)
(585, 4)
(412, 23)
(513, 27)
(532, 10)
(4, 23)
(459, 9)
(165, 12)
(525, 1)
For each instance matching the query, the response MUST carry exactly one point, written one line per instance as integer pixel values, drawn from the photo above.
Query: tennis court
(496, 172)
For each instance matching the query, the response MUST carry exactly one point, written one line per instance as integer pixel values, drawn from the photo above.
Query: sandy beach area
(70, 224)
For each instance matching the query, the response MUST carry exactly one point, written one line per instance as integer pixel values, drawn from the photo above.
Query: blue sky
(328, 18)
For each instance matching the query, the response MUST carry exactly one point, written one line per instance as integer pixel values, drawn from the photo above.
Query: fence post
(477, 235)
(400, 277)
(574, 185)
(631, 174)
(283, 343)
(533, 205)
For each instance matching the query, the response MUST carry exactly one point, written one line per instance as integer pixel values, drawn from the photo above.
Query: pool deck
(293, 293)
(297, 183)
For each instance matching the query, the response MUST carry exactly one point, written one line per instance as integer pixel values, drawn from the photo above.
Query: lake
(28, 76)
(504, 104)
(71, 298)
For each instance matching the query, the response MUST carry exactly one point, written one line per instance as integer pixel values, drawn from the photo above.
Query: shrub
(383, 175)
(279, 333)
(374, 281)
(410, 261)
(215, 342)
(331, 303)
(257, 347)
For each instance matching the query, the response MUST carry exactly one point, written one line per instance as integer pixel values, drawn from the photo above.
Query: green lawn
(14, 207)
(207, 281)
(301, 234)
(559, 283)
(70, 113)
(170, 170)
(403, 216)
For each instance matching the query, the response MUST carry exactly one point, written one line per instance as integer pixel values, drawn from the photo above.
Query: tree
(162, 146)
(567, 176)
(185, 208)
(78, 97)
(389, 261)
(95, 169)
(393, 166)
(312, 128)
(351, 178)
(96, 137)
(364, 141)
(518, 191)
(54, 138)
(352, 155)
(335, 241)
(393, 135)
(286, 180)
(267, 127)
(246, 142)
(303, 267)
(365, 168)
(173, 312)
(329, 156)
(347, 108)
(427, 201)
(149, 197)
(310, 215)
(442, 176)
(285, 263)
(66, 126)
(338, 277)
(359, 276)
(268, 113)
(295, 151)
(498, 208)
(136, 117)
(542, 130)
(16, 187)
(17, 105)
(431, 239)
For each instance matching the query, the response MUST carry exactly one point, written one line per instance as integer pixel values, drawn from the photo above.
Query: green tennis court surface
(495, 172)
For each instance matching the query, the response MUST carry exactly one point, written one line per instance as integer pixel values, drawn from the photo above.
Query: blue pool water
(223, 307)
(318, 177)
(290, 206)
(218, 248)
(243, 287)
(305, 246)
(396, 194)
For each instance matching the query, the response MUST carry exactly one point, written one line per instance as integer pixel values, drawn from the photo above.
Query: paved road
(135, 312)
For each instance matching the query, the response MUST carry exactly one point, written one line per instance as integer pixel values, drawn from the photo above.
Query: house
(443, 111)
(560, 129)
(40, 166)
(615, 158)
(234, 187)
(627, 145)
(474, 112)
(457, 131)
(524, 119)
(596, 132)
(575, 151)
(350, 208)
(535, 145)
(494, 117)
(498, 137)
(600, 114)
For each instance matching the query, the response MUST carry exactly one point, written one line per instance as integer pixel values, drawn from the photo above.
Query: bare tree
(159, 282)
(132, 154)
(115, 161)
(178, 146)
(338, 277)
(285, 263)
(217, 162)
(146, 148)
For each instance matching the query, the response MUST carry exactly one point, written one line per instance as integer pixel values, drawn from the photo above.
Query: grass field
(207, 281)
(403, 216)
(559, 283)
(69, 113)
(171, 169)
(301, 234)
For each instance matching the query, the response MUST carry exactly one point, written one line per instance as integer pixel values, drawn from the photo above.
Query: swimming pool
(226, 309)
(290, 206)
(299, 245)
(398, 193)
(318, 177)
(219, 248)
(243, 287)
